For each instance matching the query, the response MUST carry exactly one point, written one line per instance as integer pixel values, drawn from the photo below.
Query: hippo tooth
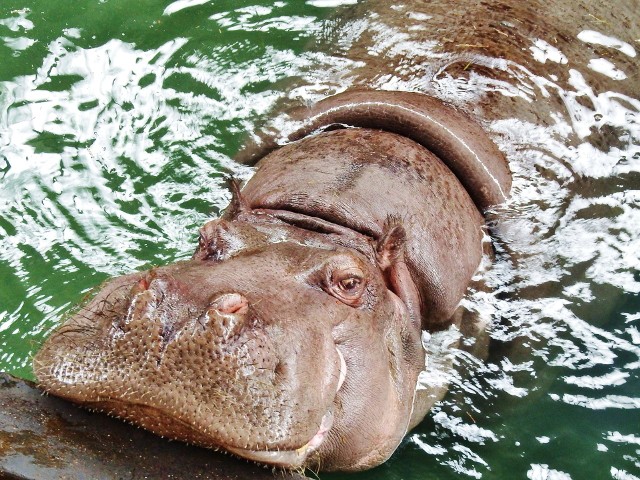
(343, 369)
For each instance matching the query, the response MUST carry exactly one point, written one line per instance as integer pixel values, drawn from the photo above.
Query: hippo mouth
(296, 458)
(289, 458)
(156, 420)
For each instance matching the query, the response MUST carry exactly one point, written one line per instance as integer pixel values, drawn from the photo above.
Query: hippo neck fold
(313, 223)
(456, 139)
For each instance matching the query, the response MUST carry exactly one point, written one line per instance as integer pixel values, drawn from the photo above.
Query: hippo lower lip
(290, 458)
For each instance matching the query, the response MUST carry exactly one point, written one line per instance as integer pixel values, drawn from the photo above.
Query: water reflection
(114, 144)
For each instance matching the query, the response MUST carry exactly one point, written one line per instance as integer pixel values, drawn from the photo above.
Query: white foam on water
(543, 472)
(543, 51)
(606, 67)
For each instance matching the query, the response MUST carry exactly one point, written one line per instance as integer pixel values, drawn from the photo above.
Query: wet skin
(293, 335)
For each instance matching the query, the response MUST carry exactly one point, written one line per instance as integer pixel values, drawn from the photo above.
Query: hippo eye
(347, 285)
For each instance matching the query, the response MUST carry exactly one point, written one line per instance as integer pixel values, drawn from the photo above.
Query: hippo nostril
(227, 314)
(140, 286)
(231, 303)
(279, 368)
(140, 305)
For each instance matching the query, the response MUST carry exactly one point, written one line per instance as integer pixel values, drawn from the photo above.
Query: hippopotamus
(293, 335)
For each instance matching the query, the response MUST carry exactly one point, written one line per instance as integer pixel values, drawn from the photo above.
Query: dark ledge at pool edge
(43, 437)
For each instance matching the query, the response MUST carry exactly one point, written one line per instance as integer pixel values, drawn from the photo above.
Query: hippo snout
(160, 300)
(181, 349)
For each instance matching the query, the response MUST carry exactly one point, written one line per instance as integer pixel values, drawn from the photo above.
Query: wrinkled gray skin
(293, 336)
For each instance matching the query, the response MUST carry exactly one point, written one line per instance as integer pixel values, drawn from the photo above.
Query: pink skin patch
(230, 303)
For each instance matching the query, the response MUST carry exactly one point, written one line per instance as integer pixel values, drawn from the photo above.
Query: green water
(118, 121)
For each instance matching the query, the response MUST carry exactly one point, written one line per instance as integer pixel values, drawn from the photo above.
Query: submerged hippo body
(293, 336)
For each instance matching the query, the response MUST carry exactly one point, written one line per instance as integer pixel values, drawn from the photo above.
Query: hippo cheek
(309, 453)
(373, 407)
(369, 424)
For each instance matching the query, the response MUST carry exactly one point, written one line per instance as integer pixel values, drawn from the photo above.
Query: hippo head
(269, 343)
(293, 335)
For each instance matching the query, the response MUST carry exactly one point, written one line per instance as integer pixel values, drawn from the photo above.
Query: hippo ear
(238, 203)
(390, 247)
(390, 257)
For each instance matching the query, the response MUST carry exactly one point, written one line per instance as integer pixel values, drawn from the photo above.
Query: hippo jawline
(157, 421)
(164, 424)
